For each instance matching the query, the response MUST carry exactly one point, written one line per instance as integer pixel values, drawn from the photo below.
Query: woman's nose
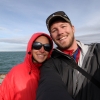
(42, 49)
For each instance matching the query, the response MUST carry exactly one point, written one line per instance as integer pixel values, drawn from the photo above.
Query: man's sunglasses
(59, 13)
(38, 45)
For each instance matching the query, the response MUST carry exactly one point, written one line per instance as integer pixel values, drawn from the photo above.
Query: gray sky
(22, 18)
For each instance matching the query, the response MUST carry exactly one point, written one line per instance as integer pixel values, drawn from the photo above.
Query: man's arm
(51, 86)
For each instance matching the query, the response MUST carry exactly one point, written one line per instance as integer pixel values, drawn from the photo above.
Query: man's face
(62, 34)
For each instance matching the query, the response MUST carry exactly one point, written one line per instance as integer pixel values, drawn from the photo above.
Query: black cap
(55, 16)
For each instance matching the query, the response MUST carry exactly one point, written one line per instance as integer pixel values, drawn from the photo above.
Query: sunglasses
(59, 13)
(38, 45)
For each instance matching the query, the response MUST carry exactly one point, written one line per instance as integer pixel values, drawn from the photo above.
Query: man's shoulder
(97, 45)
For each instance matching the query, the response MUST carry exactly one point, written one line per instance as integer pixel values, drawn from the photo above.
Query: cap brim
(55, 17)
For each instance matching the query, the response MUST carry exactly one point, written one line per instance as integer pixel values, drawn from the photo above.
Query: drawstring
(29, 72)
(30, 68)
(29, 52)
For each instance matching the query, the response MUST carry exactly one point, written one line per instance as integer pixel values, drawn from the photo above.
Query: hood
(34, 37)
(28, 57)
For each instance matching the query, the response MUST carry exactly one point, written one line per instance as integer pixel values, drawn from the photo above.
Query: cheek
(47, 54)
(33, 52)
(53, 36)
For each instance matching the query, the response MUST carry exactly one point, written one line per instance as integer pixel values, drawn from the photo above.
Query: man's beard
(67, 46)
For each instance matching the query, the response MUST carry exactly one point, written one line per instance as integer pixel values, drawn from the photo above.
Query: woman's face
(40, 54)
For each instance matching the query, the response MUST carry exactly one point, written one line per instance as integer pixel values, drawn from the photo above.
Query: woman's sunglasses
(38, 45)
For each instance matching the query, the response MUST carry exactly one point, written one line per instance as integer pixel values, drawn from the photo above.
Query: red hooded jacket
(22, 81)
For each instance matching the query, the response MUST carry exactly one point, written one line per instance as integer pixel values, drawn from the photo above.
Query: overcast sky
(19, 19)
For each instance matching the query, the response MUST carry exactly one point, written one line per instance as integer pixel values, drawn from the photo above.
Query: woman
(22, 81)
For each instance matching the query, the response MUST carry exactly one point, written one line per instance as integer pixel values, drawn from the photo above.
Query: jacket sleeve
(51, 86)
(6, 88)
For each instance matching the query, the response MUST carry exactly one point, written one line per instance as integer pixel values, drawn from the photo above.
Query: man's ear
(73, 29)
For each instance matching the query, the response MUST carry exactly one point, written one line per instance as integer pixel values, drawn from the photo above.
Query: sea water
(9, 59)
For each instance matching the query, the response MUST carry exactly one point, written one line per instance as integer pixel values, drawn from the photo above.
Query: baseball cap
(53, 17)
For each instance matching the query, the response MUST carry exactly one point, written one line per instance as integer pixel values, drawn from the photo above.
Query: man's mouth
(62, 38)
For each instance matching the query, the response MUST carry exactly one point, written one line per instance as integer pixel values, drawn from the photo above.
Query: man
(62, 77)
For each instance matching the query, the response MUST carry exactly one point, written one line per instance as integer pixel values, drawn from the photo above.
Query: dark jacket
(57, 77)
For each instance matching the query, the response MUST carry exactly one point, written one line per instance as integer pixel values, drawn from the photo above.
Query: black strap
(83, 72)
(88, 76)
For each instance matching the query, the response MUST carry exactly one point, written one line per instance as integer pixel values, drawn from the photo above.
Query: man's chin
(63, 47)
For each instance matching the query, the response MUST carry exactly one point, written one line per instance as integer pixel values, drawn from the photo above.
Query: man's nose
(60, 31)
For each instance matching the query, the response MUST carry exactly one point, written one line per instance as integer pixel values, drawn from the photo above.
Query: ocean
(9, 59)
